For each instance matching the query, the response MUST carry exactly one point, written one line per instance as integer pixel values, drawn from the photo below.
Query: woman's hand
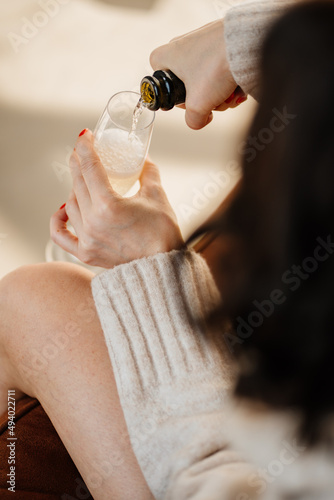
(109, 229)
(199, 60)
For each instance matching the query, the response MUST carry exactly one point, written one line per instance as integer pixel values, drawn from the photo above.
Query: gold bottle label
(147, 93)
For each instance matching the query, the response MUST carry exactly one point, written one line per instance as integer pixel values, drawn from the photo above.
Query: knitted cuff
(246, 25)
(152, 312)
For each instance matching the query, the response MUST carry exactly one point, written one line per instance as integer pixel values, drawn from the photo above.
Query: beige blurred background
(60, 61)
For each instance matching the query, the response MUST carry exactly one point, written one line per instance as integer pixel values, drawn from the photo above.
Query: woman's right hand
(199, 60)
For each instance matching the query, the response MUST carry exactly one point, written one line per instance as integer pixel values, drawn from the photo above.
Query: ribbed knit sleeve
(245, 28)
(173, 374)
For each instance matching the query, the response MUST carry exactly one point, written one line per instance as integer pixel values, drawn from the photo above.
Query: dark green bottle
(163, 90)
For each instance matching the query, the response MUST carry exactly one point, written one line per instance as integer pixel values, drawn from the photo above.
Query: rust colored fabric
(43, 468)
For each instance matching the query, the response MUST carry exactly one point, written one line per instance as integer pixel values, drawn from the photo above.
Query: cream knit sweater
(174, 376)
(246, 25)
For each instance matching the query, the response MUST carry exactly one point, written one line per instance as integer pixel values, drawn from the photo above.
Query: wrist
(225, 63)
(171, 239)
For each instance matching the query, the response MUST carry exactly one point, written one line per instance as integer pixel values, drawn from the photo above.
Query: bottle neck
(163, 90)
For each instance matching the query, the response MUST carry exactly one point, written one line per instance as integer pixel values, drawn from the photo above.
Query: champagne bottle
(163, 90)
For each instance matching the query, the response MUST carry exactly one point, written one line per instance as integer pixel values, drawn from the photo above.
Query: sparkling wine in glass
(122, 139)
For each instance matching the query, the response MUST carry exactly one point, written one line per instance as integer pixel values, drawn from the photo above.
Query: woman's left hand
(110, 229)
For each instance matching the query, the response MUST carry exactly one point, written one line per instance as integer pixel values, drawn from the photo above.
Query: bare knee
(37, 281)
(42, 307)
(39, 292)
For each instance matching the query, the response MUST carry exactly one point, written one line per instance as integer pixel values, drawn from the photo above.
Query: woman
(276, 277)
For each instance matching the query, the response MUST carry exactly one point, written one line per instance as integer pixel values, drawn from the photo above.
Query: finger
(235, 99)
(92, 170)
(60, 234)
(150, 175)
(222, 107)
(239, 97)
(196, 119)
(239, 92)
(74, 214)
(210, 118)
(231, 97)
(150, 182)
(82, 195)
(240, 100)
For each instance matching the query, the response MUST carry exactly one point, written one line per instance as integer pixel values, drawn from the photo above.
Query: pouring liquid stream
(135, 119)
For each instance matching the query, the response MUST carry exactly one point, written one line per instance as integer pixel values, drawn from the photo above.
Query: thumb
(197, 120)
(150, 175)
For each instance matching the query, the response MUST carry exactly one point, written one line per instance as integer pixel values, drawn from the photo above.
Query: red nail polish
(229, 99)
(62, 206)
(240, 100)
(83, 132)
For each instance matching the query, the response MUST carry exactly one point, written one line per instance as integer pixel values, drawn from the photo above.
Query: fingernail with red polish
(62, 206)
(240, 100)
(229, 99)
(83, 132)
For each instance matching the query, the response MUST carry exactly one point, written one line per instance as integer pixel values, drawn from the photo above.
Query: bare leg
(52, 348)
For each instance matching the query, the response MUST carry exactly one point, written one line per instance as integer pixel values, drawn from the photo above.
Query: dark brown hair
(280, 295)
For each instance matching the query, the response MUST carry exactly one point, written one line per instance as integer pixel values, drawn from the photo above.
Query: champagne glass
(122, 139)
